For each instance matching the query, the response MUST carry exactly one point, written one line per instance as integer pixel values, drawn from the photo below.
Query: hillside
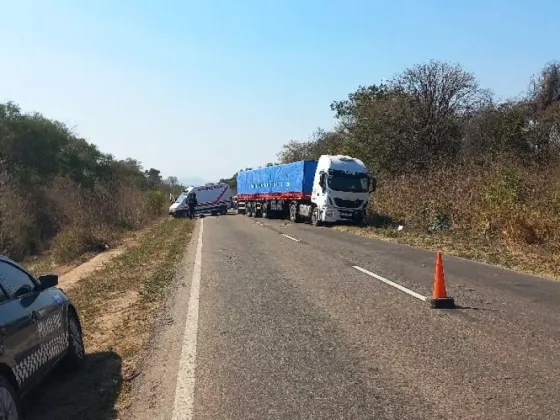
(59, 191)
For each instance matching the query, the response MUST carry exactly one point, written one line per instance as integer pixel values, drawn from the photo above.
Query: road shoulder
(154, 389)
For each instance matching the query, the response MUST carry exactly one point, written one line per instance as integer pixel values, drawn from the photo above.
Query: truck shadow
(87, 394)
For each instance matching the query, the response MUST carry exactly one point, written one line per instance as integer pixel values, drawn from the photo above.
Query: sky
(201, 89)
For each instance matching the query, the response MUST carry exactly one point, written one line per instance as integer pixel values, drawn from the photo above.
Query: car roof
(8, 260)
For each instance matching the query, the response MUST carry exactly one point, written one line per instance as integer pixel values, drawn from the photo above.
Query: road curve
(287, 328)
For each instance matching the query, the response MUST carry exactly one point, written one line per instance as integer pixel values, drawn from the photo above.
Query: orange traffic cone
(439, 296)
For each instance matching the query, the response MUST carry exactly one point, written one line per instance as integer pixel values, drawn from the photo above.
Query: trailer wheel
(264, 211)
(294, 217)
(315, 220)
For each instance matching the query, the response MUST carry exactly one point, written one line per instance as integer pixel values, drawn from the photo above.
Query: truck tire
(294, 216)
(223, 210)
(249, 211)
(360, 220)
(9, 400)
(315, 220)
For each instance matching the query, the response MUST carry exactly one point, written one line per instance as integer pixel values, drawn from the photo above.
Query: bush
(75, 241)
(504, 202)
(155, 202)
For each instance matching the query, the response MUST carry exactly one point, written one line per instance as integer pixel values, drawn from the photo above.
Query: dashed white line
(290, 237)
(184, 391)
(391, 283)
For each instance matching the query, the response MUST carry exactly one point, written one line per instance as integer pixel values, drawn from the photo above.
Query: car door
(47, 309)
(18, 329)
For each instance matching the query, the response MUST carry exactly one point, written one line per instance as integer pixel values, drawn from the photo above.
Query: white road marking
(290, 237)
(184, 392)
(391, 283)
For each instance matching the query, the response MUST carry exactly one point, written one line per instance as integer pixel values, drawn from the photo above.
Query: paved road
(286, 328)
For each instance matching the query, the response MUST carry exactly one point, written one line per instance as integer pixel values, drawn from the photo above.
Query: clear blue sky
(203, 88)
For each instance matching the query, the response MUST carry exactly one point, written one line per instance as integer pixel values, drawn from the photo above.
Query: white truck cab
(341, 189)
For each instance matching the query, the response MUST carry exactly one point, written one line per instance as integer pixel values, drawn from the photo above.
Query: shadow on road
(87, 394)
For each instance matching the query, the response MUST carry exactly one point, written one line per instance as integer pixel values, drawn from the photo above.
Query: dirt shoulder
(119, 298)
(538, 260)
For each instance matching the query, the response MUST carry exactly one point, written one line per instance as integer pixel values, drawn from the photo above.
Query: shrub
(75, 241)
(505, 202)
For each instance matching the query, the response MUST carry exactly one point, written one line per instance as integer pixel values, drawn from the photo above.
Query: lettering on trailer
(270, 184)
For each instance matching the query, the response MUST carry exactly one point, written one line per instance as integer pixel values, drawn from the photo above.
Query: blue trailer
(270, 191)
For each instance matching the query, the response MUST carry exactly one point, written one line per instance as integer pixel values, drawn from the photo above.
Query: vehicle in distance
(212, 198)
(39, 329)
(329, 190)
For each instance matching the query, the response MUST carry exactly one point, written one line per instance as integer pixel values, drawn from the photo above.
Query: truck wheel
(249, 210)
(223, 210)
(315, 221)
(9, 401)
(360, 220)
(294, 217)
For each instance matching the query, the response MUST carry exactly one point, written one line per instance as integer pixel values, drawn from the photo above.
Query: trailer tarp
(294, 177)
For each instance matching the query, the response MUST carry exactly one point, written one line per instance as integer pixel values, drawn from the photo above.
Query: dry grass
(505, 214)
(118, 306)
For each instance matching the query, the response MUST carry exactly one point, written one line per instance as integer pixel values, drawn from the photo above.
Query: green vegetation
(455, 167)
(57, 189)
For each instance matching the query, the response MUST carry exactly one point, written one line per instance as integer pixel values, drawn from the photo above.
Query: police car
(39, 329)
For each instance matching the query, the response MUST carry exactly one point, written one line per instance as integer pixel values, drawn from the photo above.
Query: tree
(412, 122)
(172, 181)
(153, 177)
(545, 89)
(232, 182)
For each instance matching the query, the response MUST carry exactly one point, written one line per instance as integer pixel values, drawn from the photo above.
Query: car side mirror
(47, 281)
(372, 185)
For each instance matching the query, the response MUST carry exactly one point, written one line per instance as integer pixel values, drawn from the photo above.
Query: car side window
(15, 281)
(3, 296)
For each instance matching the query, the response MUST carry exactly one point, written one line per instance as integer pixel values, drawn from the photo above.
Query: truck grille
(348, 204)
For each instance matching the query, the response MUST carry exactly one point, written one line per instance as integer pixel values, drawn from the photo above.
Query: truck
(334, 188)
(212, 198)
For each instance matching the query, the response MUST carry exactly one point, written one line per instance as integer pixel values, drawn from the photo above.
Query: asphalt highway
(291, 321)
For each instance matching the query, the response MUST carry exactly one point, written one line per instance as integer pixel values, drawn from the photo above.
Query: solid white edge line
(391, 283)
(290, 237)
(184, 391)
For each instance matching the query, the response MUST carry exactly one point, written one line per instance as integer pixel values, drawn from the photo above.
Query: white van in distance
(212, 198)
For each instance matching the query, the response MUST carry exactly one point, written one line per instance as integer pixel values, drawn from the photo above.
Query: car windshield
(348, 183)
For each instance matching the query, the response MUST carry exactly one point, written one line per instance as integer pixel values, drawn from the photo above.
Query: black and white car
(39, 329)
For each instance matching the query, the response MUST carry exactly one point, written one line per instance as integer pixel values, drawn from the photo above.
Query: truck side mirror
(322, 181)
(372, 185)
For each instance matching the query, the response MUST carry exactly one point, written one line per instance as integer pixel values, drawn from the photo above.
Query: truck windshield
(348, 183)
(181, 198)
